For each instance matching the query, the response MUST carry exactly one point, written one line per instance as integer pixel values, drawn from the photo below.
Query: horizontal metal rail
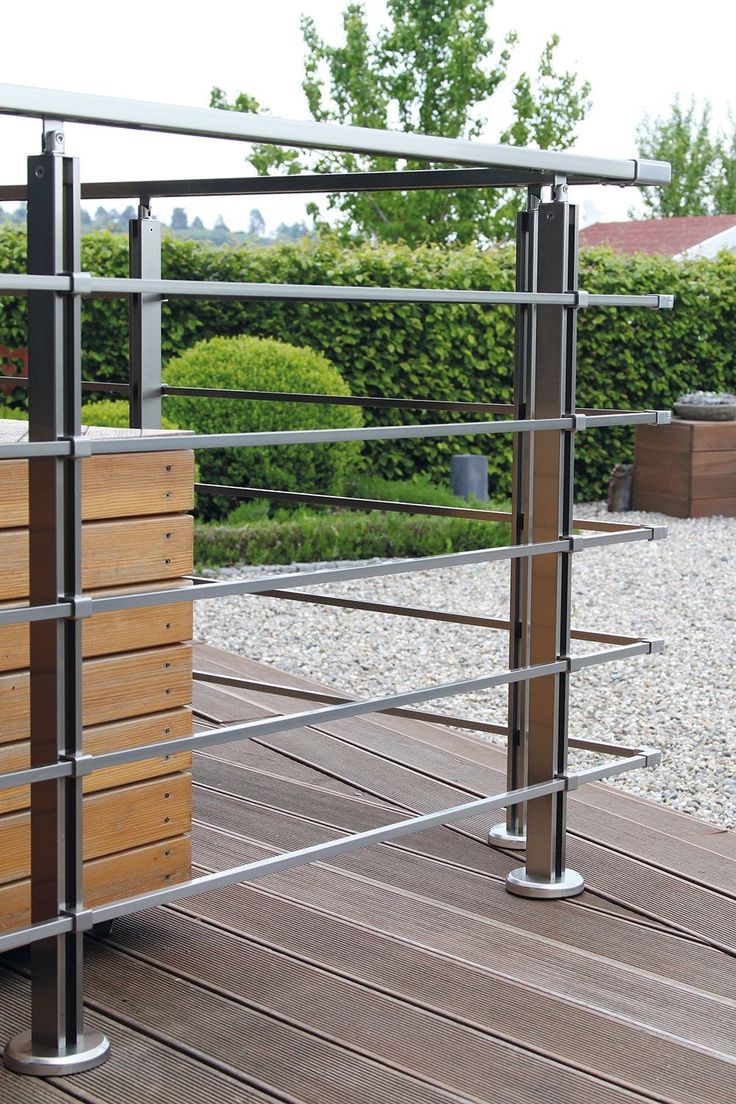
(210, 123)
(321, 851)
(22, 937)
(280, 690)
(344, 502)
(109, 445)
(434, 615)
(87, 385)
(588, 417)
(318, 852)
(406, 180)
(379, 401)
(84, 284)
(208, 590)
(354, 708)
(390, 505)
(28, 775)
(204, 590)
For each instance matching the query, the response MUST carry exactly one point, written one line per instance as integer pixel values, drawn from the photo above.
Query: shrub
(309, 538)
(262, 364)
(114, 413)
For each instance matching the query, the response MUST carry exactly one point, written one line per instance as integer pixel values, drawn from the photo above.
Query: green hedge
(632, 358)
(311, 539)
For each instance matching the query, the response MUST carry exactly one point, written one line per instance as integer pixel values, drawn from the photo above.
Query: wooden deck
(405, 972)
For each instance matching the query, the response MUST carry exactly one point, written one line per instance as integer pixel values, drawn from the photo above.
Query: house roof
(669, 236)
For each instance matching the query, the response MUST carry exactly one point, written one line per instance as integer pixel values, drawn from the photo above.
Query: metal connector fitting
(80, 447)
(75, 758)
(658, 532)
(662, 417)
(80, 283)
(579, 421)
(570, 663)
(652, 756)
(82, 918)
(577, 542)
(665, 302)
(582, 299)
(81, 607)
(571, 781)
(657, 647)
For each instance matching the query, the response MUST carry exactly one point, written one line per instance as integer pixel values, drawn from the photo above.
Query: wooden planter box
(136, 681)
(686, 469)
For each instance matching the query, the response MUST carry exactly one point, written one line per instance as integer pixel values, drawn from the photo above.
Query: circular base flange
(520, 883)
(499, 836)
(21, 1056)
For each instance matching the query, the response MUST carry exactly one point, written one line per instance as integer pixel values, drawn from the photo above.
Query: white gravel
(682, 589)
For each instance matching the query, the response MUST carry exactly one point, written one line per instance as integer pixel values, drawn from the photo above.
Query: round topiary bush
(263, 364)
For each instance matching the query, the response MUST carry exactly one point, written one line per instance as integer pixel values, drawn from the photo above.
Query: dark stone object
(706, 412)
(469, 476)
(621, 488)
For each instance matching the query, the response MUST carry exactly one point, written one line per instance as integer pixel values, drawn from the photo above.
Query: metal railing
(543, 421)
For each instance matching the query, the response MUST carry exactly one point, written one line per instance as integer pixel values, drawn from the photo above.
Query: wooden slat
(675, 461)
(657, 502)
(114, 687)
(714, 507)
(114, 820)
(107, 633)
(655, 480)
(126, 485)
(713, 436)
(111, 878)
(114, 553)
(110, 737)
(677, 436)
(722, 462)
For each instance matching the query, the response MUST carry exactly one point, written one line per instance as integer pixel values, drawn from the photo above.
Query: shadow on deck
(405, 972)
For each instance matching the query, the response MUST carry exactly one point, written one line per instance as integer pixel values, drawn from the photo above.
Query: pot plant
(706, 406)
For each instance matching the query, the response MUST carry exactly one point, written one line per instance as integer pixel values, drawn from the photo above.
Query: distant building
(694, 236)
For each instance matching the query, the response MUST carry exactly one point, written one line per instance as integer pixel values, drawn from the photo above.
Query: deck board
(405, 972)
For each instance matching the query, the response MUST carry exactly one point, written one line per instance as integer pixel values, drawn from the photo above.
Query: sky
(637, 56)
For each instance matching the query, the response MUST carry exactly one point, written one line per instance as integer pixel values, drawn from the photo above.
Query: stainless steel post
(145, 322)
(511, 833)
(550, 502)
(57, 1042)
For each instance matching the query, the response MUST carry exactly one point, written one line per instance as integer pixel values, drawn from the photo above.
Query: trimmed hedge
(313, 538)
(627, 358)
(262, 364)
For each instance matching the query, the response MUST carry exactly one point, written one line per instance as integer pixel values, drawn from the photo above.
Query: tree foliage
(703, 163)
(431, 70)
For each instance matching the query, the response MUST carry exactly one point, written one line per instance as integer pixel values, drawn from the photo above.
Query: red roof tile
(667, 235)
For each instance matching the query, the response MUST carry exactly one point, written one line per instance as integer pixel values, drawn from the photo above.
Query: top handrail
(81, 107)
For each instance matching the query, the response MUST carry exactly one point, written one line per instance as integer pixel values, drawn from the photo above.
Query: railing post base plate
(500, 836)
(21, 1056)
(522, 884)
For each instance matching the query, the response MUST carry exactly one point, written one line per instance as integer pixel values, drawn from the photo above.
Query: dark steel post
(550, 502)
(511, 833)
(57, 1042)
(145, 322)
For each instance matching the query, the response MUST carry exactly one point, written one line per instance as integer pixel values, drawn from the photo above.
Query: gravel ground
(682, 589)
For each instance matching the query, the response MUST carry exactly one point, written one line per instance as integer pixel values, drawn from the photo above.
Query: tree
(179, 220)
(703, 163)
(429, 71)
(197, 223)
